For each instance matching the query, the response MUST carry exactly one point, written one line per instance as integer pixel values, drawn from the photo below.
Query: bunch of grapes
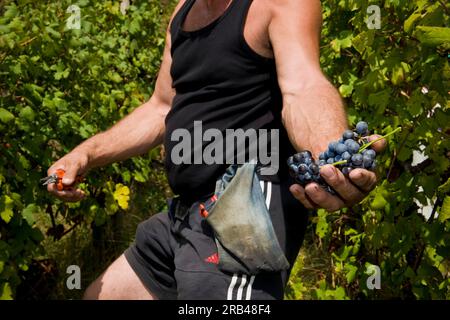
(350, 152)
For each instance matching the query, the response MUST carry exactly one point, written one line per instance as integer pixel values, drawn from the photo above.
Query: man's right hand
(74, 164)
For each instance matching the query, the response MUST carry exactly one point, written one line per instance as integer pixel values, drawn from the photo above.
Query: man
(230, 64)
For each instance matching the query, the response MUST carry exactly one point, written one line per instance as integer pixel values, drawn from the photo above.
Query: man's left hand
(351, 190)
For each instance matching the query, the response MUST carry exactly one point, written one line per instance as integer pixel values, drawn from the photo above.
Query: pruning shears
(57, 178)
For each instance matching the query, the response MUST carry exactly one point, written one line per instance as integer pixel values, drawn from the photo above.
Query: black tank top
(222, 82)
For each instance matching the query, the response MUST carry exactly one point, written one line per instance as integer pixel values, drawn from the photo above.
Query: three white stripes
(240, 291)
(234, 280)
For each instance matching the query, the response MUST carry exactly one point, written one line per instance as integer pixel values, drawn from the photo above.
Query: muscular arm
(313, 111)
(138, 132)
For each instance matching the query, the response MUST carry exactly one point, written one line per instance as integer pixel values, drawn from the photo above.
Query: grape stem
(365, 146)
(339, 163)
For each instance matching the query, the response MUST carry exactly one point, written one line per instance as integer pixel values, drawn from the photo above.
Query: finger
(70, 176)
(299, 193)
(323, 198)
(71, 196)
(363, 179)
(67, 195)
(343, 186)
(55, 167)
(378, 146)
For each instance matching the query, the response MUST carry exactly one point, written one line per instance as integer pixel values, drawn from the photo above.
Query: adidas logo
(214, 258)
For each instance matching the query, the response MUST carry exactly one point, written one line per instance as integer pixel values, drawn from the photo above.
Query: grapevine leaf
(379, 202)
(351, 272)
(28, 213)
(433, 36)
(6, 205)
(444, 189)
(6, 116)
(6, 292)
(322, 224)
(122, 195)
(346, 90)
(409, 23)
(27, 113)
(363, 41)
(100, 217)
(444, 214)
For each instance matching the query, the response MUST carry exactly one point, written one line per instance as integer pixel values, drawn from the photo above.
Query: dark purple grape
(341, 148)
(314, 168)
(308, 176)
(322, 156)
(330, 161)
(349, 142)
(367, 161)
(332, 146)
(357, 159)
(302, 168)
(322, 162)
(290, 161)
(293, 168)
(346, 156)
(306, 154)
(329, 154)
(362, 128)
(354, 147)
(370, 153)
(337, 158)
(348, 134)
(346, 170)
(298, 158)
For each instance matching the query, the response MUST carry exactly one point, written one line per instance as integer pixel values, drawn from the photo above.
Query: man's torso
(225, 77)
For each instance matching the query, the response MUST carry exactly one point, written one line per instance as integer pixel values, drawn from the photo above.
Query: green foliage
(394, 76)
(59, 86)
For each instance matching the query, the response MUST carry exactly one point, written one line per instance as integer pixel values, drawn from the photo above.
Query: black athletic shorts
(172, 267)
